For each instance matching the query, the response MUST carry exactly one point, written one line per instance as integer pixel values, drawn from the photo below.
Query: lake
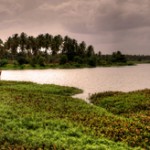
(91, 80)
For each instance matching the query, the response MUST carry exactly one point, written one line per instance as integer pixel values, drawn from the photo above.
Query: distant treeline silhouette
(47, 49)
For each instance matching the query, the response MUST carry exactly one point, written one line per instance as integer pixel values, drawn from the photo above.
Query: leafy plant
(36, 116)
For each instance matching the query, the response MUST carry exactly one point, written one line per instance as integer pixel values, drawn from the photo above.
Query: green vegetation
(21, 51)
(133, 106)
(34, 116)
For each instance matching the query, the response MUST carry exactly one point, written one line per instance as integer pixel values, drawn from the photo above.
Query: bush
(21, 59)
(78, 60)
(118, 57)
(41, 61)
(3, 62)
(33, 62)
(63, 60)
(92, 62)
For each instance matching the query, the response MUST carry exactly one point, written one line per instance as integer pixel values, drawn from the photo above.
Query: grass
(134, 106)
(34, 116)
(125, 104)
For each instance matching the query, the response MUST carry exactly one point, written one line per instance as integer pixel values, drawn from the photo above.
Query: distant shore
(67, 66)
(58, 66)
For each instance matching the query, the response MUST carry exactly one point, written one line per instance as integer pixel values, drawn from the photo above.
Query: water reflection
(93, 80)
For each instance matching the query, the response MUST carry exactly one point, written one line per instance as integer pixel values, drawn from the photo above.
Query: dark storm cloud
(11, 11)
(107, 24)
(106, 15)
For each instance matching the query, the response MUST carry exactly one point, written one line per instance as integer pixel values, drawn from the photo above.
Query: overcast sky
(108, 25)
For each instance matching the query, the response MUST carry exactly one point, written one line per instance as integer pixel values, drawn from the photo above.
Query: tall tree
(48, 42)
(70, 48)
(32, 45)
(56, 44)
(1, 49)
(12, 44)
(81, 49)
(1, 42)
(40, 39)
(90, 51)
(8, 44)
(23, 41)
(15, 43)
(65, 43)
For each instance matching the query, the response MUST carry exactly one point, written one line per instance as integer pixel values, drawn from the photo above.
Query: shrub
(78, 60)
(63, 60)
(92, 61)
(33, 62)
(22, 60)
(3, 62)
(41, 61)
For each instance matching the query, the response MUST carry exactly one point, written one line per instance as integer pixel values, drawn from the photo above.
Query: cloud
(107, 24)
(97, 16)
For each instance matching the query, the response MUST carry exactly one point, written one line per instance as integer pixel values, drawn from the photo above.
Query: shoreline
(67, 66)
(57, 66)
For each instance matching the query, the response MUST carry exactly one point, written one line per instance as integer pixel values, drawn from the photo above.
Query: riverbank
(68, 65)
(50, 66)
(45, 116)
(58, 66)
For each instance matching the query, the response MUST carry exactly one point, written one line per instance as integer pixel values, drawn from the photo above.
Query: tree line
(45, 49)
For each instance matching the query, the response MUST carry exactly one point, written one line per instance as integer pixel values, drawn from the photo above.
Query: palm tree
(75, 45)
(23, 41)
(1, 49)
(69, 48)
(1, 42)
(8, 44)
(56, 44)
(12, 44)
(32, 45)
(40, 39)
(48, 41)
(65, 44)
(15, 43)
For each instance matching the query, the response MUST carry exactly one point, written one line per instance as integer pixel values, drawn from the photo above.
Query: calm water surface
(93, 80)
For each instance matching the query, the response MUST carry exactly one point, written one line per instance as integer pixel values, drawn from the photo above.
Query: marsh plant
(34, 116)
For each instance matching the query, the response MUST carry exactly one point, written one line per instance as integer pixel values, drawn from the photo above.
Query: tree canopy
(46, 49)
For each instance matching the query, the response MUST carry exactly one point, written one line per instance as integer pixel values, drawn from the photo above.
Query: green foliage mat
(34, 116)
(134, 106)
